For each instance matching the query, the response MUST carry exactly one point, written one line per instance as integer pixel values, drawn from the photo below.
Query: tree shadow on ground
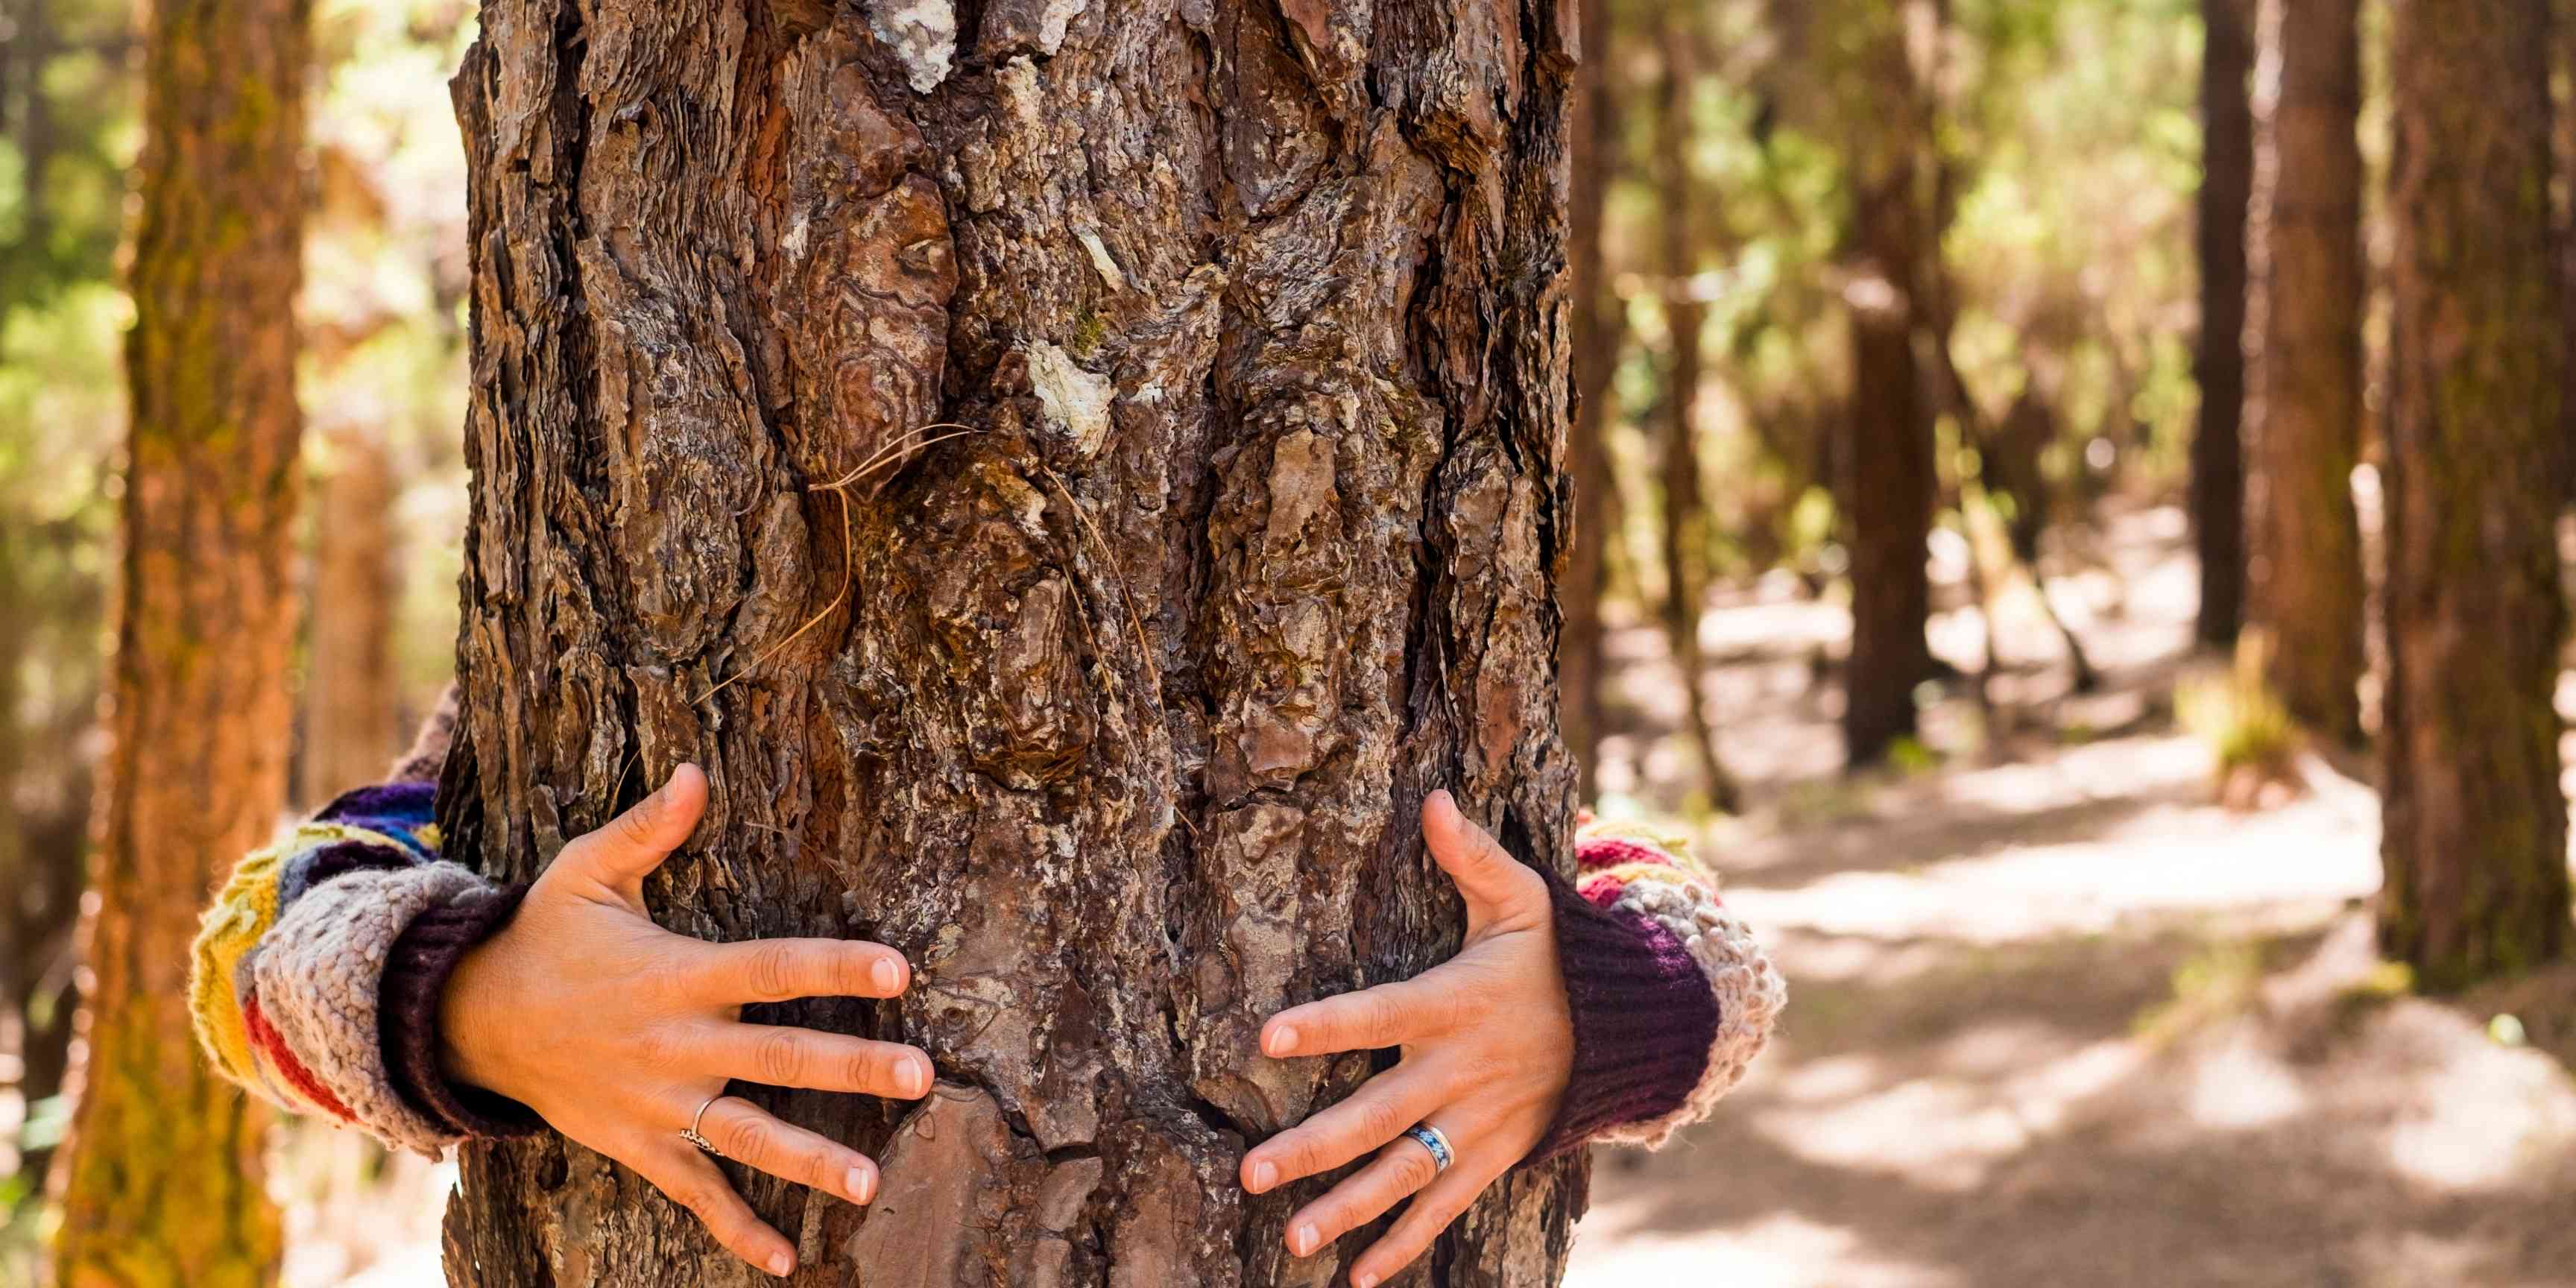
(2170, 1108)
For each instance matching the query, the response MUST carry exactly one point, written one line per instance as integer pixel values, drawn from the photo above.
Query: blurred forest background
(2006, 534)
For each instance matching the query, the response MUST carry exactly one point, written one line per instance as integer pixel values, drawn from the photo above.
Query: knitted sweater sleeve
(315, 975)
(1671, 996)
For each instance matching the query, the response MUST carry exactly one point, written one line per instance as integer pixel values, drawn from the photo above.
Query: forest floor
(2055, 1017)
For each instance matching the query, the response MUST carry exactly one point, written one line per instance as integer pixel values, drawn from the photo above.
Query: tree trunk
(2217, 445)
(1114, 711)
(1889, 477)
(351, 700)
(160, 1183)
(1600, 325)
(2304, 426)
(2475, 830)
(1685, 512)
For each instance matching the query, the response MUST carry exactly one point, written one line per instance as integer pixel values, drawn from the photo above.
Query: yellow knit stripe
(242, 913)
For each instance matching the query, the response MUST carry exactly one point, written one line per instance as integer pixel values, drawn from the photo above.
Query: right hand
(615, 1030)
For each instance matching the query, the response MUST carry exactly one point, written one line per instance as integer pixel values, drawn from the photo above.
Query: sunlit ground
(2061, 1020)
(2055, 1018)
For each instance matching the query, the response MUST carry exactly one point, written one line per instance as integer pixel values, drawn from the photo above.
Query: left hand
(1488, 1046)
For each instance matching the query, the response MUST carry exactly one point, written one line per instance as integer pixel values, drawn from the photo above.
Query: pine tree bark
(2305, 423)
(1115, 711)
(350, 698)
(1599, 329)
(160, 1181)
(2217, 446)
(1889, 481)
(2475, 823)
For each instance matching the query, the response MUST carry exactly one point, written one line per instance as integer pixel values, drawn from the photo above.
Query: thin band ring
(1433, 1139)
(690, 1133)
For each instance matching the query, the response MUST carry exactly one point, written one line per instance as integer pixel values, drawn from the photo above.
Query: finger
(1368, 1020)
(786, 1057)
(754, 1138)
(774, 970)
(619, 856)
(1430, 1213)
(694, 1183)
(1492, 881)
(1400, 1169)
(1373, 1115)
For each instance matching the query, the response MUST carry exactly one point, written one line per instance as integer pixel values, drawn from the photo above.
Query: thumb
(620, 855)
(1493, 882)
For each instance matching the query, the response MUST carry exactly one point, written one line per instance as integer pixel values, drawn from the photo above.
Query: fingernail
(1305, 1241)
(885, 975)
(913, 1078)
(859, 1186)
(781, 1264)
(1264, 1175)
(1364, 1281)
(1283, 1040)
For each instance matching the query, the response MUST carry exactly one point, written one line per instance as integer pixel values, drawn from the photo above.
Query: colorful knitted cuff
(315, 983)
(424, 956)
(1671, 997)
(1644, 1021)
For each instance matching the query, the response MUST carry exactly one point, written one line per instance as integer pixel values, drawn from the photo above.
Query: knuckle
(1379, 1119)
(771, 971)
(782, 1058)
(635, 826)
(746, 1139)
(1414, 1168)
(868, 1070)
(1303, 1154)
(659, 1047)
(1379, 1018)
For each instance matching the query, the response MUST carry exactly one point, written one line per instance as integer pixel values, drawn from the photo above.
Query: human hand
(1488, 1047)
(616, 1031)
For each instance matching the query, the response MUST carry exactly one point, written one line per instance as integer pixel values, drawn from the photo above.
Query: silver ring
(1434, 1140)
(690, 1132)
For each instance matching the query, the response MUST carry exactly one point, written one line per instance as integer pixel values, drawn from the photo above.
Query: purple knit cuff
(1644, 1020)
(416, 973)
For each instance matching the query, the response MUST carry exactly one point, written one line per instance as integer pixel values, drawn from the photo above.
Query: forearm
(1671, 996)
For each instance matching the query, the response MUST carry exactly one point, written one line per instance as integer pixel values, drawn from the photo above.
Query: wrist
(446, 1034)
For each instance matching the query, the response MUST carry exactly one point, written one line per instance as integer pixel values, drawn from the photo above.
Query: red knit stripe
(265, 1037)
(1601, 892)
(1610, 851)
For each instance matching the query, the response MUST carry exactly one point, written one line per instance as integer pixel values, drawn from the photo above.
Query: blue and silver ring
(1433, 1140)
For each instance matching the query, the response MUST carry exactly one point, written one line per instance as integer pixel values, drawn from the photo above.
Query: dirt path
(2062, 1022)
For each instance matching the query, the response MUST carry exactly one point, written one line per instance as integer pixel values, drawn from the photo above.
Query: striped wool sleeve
(1671, 995)
(314, 976)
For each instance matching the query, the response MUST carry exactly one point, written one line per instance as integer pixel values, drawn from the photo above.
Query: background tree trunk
(1890, 483)
(351, 701)
(2217, 445)
(1684, 530)
(2305, 425)
(2475, 830)
(1115, 712)
(160, 1181)
(1600, 327)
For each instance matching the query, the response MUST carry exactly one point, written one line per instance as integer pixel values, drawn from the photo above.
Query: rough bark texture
(1600, 325)
(1116, 712)
(1889, 482)
(160, 1183)
(2217, 445)
(2475, 840)
(350, 698)
(2304, 424)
